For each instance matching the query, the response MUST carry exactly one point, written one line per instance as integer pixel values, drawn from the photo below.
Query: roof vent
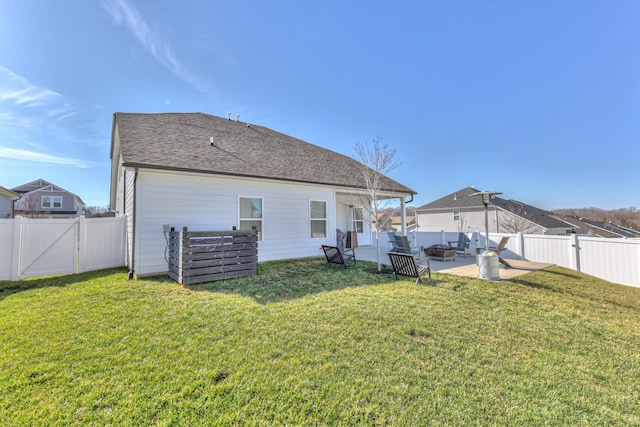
(229, 115)
(237, 117)
(211, 142)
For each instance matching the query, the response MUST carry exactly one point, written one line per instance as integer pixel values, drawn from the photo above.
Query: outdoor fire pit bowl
(440, 253)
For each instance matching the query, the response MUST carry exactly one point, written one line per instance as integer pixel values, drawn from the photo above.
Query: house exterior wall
(204, 202)
(32, 203)
(473, 220)
(6, 207)
(124, 206)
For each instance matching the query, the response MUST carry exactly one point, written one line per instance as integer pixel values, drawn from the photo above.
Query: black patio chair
(407, 265)
(335, 256)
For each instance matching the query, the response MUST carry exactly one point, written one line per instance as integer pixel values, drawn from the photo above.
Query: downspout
(133, 225)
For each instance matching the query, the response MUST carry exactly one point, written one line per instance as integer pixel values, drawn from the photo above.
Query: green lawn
(303, 345)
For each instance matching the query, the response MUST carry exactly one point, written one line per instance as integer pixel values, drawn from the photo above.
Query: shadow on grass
(8, 287)
(561, 280)
(534, 285)
(286, 280)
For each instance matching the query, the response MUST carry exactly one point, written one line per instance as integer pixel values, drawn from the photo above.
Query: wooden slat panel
(249, 269)
(214, 277)
(204, 256)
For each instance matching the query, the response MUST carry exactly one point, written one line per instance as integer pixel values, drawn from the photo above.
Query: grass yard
(303, 345)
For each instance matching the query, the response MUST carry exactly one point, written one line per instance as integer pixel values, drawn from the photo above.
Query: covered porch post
(403, 216)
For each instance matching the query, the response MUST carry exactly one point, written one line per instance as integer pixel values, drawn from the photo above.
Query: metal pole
(486, 225)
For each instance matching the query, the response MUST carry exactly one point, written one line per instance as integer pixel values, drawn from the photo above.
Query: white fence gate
(42, 247)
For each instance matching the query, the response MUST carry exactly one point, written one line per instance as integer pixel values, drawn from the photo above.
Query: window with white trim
(456, 215)
(49, 202)
(318, 218)
(250, 214)
(358, 220)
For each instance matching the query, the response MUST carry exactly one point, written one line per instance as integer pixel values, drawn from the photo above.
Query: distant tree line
(97, 211)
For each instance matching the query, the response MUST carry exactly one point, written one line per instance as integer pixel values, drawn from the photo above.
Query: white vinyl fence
(41, 247)
(615, 260)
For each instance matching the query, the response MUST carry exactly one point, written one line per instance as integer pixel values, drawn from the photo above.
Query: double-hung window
(250, 210)
(318, 218)
(456, 215)
(49, 202)
(358, 220)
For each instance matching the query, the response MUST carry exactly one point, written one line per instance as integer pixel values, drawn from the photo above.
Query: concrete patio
(461, 266)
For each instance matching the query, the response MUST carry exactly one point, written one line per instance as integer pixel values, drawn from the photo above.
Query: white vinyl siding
(203, 202)
(6, 204)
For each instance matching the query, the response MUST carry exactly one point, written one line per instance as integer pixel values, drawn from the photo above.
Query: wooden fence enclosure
(205, 256)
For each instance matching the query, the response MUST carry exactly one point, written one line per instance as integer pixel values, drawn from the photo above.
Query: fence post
(82, 244)
(16, 248)
(575, 243)
(442, 237)
(520, 245)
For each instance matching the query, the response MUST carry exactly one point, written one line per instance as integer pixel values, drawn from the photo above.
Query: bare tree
(376, 160)
(514, 222)
(28, 206)
(462, 222)
(96, 211)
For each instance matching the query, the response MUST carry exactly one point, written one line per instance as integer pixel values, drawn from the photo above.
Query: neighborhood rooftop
(461, 200)
(198, 142)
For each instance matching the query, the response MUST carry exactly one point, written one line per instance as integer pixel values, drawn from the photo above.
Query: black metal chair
(407, 265)
(335, 256)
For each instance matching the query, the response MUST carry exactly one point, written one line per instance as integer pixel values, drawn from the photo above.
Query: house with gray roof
(42, 199)
(213, 173)
(465, 213)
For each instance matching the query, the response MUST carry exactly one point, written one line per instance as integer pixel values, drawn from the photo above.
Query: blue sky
(537, 99)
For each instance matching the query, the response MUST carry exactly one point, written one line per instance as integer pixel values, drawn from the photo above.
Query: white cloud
(32, 156)
(37, 124)
(125, 14)
(28, 102)
(16, 89)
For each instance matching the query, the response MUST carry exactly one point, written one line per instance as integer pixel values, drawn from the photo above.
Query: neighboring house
(462, 212)
(41, 198)
(212, 173)
(394, 223)
(7, 197)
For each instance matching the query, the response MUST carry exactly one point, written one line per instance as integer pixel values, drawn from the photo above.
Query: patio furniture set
(406, 260)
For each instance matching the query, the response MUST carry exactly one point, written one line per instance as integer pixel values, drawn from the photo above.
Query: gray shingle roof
(457, 200)
(180, 141)
(461, 200)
